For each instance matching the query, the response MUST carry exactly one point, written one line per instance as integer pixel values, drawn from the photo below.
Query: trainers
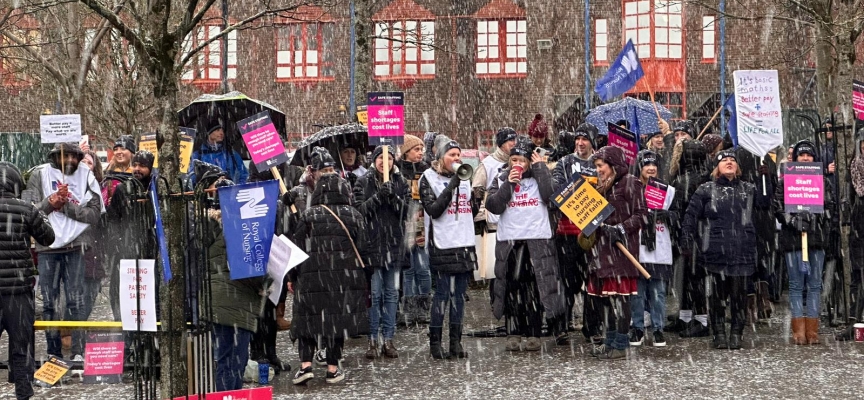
(514, 343)
(659, 339)
(303, 375)
(334, 377)
(321, 358)
(533, 344)
(597, 351)
(614, 354)
(636, 337)
(562, 339)
(78, 358)
(695, 329)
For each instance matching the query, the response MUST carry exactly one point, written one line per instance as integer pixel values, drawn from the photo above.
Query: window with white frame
(708, 38)
(404, 49)
(303, 51)
(206, 65)
(655, 27)
(502, 47)
(601, 41)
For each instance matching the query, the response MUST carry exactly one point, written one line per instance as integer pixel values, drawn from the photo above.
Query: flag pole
(705, 128)
(651, 93)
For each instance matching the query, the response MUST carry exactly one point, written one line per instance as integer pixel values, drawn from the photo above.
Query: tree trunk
(845, 140)
(364, 29)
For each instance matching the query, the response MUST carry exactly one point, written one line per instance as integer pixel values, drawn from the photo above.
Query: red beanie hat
(538, 127)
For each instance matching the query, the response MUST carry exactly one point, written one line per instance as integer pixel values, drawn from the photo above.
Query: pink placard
(624, 140)
(103, 357)
(262, 140)
(386, 122)
(858, 99)
(259, 393)
(654, 197)
(803, 187)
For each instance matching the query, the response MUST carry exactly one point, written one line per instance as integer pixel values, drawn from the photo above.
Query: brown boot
(282, 324)
(389, 350)
(798, 331)
(372, 352)
(811, 330)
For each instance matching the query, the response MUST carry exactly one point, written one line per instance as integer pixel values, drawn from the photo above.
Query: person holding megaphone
(526, 262)
(445, 191)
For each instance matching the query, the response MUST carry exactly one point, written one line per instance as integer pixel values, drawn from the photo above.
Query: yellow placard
(363, 117)
(580, 202)
(186, 145)
(148, 142)
(51, 371)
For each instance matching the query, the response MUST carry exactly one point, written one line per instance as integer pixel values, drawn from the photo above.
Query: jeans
(449, 288)
(231, 352)
(797, 281)
(17, 314)
(417, 281)
(655, 290)
(385, 299)
(67, 267)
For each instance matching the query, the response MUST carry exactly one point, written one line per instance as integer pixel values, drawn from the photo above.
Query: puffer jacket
(235, 302)
(719, 220)
(628, 201)
(688, 169)
(330, 287)
(385, 218)
(22, 221)
(451, 261)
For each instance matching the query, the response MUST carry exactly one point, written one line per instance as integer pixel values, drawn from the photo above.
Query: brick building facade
(469, 67)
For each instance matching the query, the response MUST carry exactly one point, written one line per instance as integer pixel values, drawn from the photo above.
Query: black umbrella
(226, 109)
(333, 138)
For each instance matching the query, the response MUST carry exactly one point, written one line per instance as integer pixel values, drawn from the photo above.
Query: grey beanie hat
(443, 144)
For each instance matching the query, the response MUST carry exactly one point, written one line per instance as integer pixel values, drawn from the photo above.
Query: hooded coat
(330, 287)
(818, 236)
(227, 159)
(625, 195)
(542, 252)
(385, 218)
(22, 221)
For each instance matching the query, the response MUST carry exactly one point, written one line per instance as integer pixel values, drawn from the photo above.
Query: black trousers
(522, 309)
(306, 347)
(17, 314)
(728, 291)
(693, 297)
(573, 266)
(263, 344)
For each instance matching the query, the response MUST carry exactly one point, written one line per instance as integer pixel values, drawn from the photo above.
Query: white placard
(284, 256)
(64, 128)
(142, 284)
(759, 113)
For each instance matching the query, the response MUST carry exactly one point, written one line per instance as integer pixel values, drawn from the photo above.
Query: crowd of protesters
(402, 250)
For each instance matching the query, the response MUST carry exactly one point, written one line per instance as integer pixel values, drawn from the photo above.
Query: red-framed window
(502, 48)
(709, 37)
(404, 49)
(304, 51)
(13, 70)
(206, 66)
(601, 42)
(673, 101)
(655, 27)
(485, 141)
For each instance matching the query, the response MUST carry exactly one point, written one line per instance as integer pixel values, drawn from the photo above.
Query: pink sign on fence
(103, 358)
(259, 393)
(858, 99)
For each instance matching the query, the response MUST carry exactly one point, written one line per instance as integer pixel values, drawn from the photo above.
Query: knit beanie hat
(144, 158)
(804, 147)
(686, 127)
(321, 159)
(379, 150)
(589, 131)
(647, 157)
(443, 144)
(538, 127)
(711, 141)
(522, 148)
(410, 142)
(726, 154)
(504, 135)
(127, 142)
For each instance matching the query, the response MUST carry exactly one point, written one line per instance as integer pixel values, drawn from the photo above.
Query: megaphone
(463, 171)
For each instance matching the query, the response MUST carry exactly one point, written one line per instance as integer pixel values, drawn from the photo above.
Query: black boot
(718, 326)
(435, 343)
(456, 349)
(275, 361)
(735, 341)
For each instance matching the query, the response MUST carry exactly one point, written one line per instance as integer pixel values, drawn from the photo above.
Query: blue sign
(622, 75)
(160, 230)
(248, 224)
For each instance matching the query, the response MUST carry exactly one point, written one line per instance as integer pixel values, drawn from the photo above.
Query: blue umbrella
(640, 114)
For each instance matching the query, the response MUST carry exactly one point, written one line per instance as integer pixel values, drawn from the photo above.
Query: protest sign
(655, 194)
(362, 115)
(51, 371)
(858, 99)
(803, 187)
(386, 118)
(284, 256)
(624, 140)
(148, 143)
(103, 357)
(258, 393)
(187, 140)
(64, 128)
(758, 110)
(580, 202)
(248, 218)
(262, 140)
(138, 295)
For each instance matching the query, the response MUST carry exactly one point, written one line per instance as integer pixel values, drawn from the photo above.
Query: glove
(454, 182)
(289, 198)
(614, 233)
(386, 190)
(662, 216)
(802, 221)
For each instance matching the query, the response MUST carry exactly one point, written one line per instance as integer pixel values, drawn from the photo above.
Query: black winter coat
(719, 220)
(385, 218)
(451, 261)
(819, 234)
(330, 287)
(22, 221)
(763, 210)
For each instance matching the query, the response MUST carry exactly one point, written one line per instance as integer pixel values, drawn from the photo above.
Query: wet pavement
(767, 368)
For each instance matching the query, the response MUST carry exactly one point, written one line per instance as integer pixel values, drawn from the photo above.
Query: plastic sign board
(386, 118)
(103, 357)
(580, 202)
(758, 110)
(64, 128)
(858, 99)
(262, 140)
(803, 187)
(51, 372)
(624, 140)
(138, 295)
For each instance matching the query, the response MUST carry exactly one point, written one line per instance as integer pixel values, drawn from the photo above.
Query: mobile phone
(541, 151)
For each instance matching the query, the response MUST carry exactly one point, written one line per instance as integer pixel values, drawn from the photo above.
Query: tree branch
(44, 62)
(90, 51)
(118, 24)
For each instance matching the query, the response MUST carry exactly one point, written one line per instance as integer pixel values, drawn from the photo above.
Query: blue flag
(732, 127)
(160, 230)
(622, 75)
(248, 224)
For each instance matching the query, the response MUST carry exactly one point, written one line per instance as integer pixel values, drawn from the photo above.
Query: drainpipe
(722, 60)
(588, 55)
